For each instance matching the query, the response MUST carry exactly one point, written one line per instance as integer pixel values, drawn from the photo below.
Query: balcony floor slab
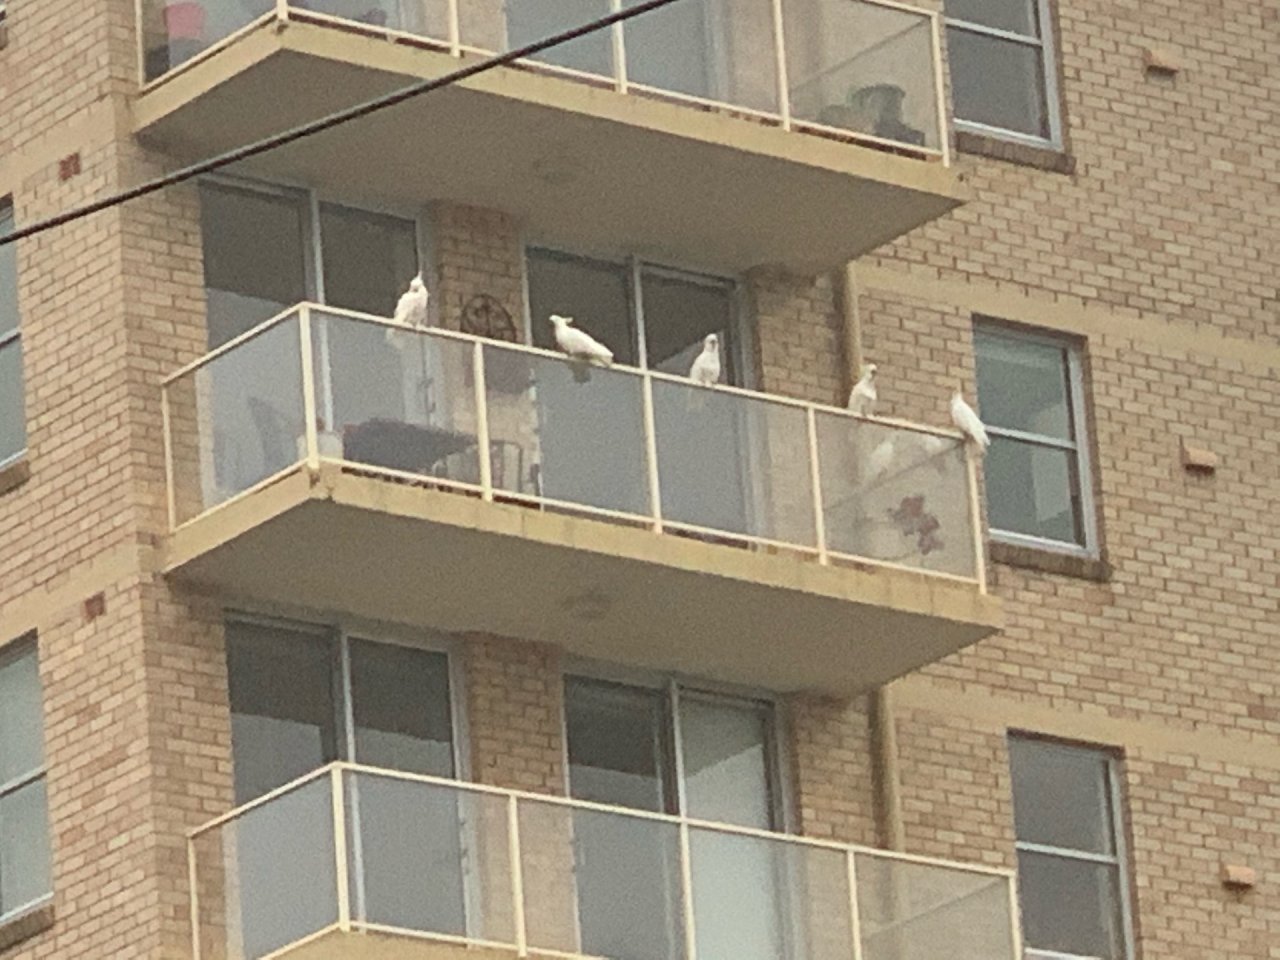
(370, 547)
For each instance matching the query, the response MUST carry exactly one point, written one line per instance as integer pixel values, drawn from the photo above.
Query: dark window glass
(998, 82)
(1015, 16)
(284, 717)
(400, 702)
(617, 751)
(679, 313)
(594, 293)
(255, 255)
(369, 258)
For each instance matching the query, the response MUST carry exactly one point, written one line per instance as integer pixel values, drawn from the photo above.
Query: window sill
(14, 475)
(1024, 154)
(1049, 561)
(26, 925)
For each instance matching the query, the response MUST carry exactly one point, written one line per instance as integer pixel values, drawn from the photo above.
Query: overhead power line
(331, 120)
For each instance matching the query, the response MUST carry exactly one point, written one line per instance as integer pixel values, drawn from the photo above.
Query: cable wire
(331, 120)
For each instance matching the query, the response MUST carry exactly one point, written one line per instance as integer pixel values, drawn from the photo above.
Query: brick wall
(514, 694)
(1165, 221)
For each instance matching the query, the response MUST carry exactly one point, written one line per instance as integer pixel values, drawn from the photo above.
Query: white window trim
(1119, 859)
(1079, 445)
(1046, 42)
(26, 646)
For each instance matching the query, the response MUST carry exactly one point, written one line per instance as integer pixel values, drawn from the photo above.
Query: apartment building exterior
(322, 637)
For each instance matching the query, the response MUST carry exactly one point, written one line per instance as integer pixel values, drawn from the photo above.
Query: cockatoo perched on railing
(968, 423)
(706, 366)
(411, 311)
(862, 398)
(580, 345)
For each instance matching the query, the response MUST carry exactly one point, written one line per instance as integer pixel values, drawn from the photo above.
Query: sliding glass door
(672, 750)
(302, 697)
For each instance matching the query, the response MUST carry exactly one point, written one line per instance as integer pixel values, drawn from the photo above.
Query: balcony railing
(349, 849)
(865, 70)
(516, 424)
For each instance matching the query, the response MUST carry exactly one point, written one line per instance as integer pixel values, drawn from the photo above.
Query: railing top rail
(324, 310)
(577, 804)
(234, 342)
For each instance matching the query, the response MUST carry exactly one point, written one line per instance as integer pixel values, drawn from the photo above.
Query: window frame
(1119, 859)
(742, 346)
(339, 633)
(674, 687)
(27, 646)
(1047, 44)
(9, 338)
(1080, 446)
(311, 201)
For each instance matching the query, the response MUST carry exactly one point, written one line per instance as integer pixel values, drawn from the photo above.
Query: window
(1030, 392)
(648, 316)
(1003, 78)
(672, 749)
(13, 431)
(268, 248)
(1071, 877)
(305, 696)
(25, 876)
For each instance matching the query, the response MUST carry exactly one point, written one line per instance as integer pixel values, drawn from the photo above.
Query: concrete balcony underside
(372, 547)
(583, 166)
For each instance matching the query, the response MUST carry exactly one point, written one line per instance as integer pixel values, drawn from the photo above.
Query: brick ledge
(1049, 561)
(1024, 154)
(26, 925)
(14, 475)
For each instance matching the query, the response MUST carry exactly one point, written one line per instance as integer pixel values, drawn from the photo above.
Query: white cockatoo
(968, 423)
(862, 398)
(411, 311)
(578, 343)
(706, 366)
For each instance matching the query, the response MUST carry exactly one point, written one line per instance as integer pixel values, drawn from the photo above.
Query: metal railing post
(619, 49)
(815, 480)
(193, 882)
(1015, 918)
(455, 29)
(483, 453)
(340, 849)
(855, 921)
(651, 452)
(944, 132)
(780, 56)
(308, 389)
(517, 876)
(975, 513)
(167, 426)
(686, 895)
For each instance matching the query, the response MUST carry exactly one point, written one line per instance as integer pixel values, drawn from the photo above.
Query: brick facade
(1158, 250)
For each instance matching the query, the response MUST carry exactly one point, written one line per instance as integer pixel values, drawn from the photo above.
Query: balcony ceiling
(377, 549)
(579, 166)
